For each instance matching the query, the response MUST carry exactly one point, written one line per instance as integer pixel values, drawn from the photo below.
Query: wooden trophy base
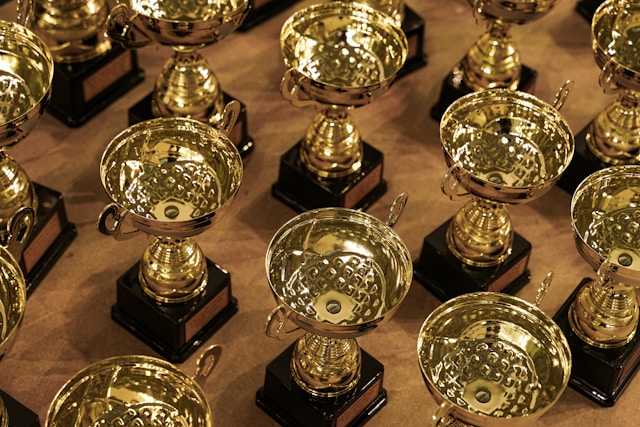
(239, 134)
(446, 277)
(52, 233)
(453, 87)
(413, 27)
(82, 90)
(261, 10)
(600, 374)
(18, 414)
(290, 405)
(583, 164)
(587, 8)
(302, 190)
(174, 330)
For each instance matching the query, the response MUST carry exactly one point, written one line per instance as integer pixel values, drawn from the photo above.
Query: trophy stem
(613, 134)
(332, 147)
(481, 234)
(173, 270)
(326, 367)
(604, 313)
(17, 191)
(493, 61)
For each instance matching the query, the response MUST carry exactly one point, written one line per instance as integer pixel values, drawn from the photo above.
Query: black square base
(583, 164)
(290, 405)
(453, 87)
(52, 233)
(261, 10)
(18, 414)
(413, 27)
(82, 90)
(302, 190)
(239, 134)
(174, 330)
(600, 374)
(587, 8)
(446, 277)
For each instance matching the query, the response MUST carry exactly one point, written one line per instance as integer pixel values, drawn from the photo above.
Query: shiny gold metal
(502, 147)
(171, 178)
(394, 8)
(494, 61)
(605, 215)
(339, 55)
(187, 86)
(338, 274)
(26, 73)
(492, 359)
(614, 135)
(135, 391)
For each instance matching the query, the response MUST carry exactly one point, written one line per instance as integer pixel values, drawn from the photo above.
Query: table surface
(67, 323)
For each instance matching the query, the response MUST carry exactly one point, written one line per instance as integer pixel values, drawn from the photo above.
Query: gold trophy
(494, 60)
(89, 73)
(339, 55)
(187, 86)
(613, 136)
(502, 147)
(135, 391)
(492, 359)
(171, 178)
(27, 72)
(338, 274)
(600, 318)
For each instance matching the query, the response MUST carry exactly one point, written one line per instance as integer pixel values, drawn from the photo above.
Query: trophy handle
(120, 29)
(19, 227)
(276, 322)
(562, 94)
(607, 74)
(229, 117)
(290, 90)
(397, 208)
(112, 211)
(543, 287)
(206, 362)
(451, 182)
(442, 417)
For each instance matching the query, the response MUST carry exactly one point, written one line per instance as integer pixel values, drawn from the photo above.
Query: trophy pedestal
(446, 277)
(453, 87)
(600, 374)
(413, 27)
(302, 190)
(290, 405)
(18, 414)
(239, 134)
(51, 235)
(174, 330)
(583, 164)
(261, 10)
(82, 90)
(587, 8)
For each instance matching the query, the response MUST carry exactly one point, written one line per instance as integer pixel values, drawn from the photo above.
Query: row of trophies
(335, 271)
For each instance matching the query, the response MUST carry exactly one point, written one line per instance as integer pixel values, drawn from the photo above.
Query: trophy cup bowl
(134, 390)
(492, 359)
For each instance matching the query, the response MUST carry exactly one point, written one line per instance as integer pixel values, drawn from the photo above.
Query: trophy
(261, 10)
(13, 298)
(89, 73)
(186, 87)
(135, 391)
(170, 178)
(502, 147)
(600, 318)
(339, 55)
(337, 273)
(587, 8)
(494, 60)
(492, 359)
(27, 71)
(613, 136)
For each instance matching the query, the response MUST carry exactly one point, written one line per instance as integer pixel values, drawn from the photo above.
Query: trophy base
(82, 90)
(288, 404)
(18, 414)
(52, 233)
(174, 330)
(302, 190)
(446, 277)
(261, 10)
(413, 27)
(453, 87)
(587, 8)
(239, 134)
(583, 164)
(600, 374)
